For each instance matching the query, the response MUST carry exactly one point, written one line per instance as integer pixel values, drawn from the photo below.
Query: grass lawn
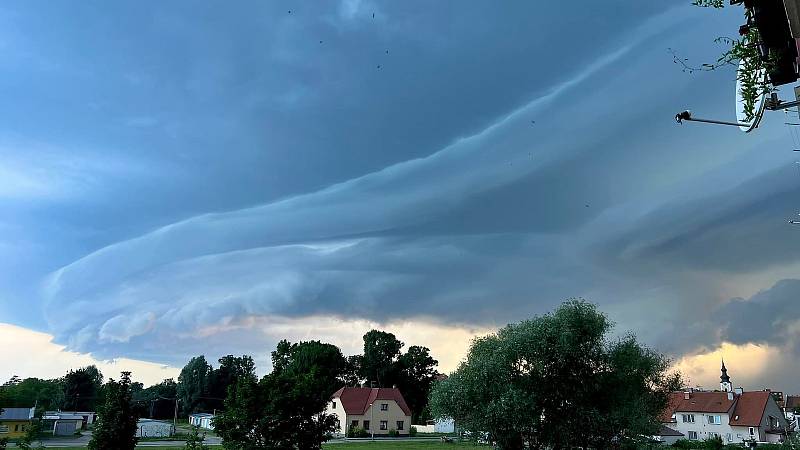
(402, 445)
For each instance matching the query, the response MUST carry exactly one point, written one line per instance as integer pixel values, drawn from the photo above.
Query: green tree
(417, 375)
(231, 369)
(194, 441)
(379, 362)
(116, 425)
(285, 409)
(352, 371)
(82, 389)
(558, 381)
(193, 385)
(158, 400)
(47, 394)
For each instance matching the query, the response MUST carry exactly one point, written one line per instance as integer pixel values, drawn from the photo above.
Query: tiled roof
(356, 401)
(750, 408)
(746, 409)
(700, 402)
(16, 414)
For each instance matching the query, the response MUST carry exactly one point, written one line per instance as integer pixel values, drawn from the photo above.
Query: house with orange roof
(376, 410)
(734, 415)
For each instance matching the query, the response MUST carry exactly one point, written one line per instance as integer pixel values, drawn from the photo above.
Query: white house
(377, 410)
(154, 428)
(732, 414)
(202, 420)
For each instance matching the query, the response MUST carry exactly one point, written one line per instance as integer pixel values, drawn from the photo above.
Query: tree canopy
(285, 409)
(116, 424)
(558, 381)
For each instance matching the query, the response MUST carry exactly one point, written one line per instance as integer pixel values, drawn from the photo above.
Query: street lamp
(372, 420)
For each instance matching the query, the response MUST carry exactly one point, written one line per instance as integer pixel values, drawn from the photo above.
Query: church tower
(725, 380)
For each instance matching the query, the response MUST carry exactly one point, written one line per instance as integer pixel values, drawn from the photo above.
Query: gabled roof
(17, 414)
(700, 402)
(746, 409)
(750, 408)
(356, 401)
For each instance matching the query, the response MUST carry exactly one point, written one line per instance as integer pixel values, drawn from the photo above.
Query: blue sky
(197, 177)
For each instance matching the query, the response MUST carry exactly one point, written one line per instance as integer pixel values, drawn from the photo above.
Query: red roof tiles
(746, 409)
(357, 400)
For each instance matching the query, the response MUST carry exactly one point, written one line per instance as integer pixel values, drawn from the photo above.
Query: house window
(752, 431)
(729, 437)
(334, 405)
(16, 427)
(384, 406)
(366, 424)
(399, 425)
(687, 418)
(354, 424)
(3, 428)
(384, 424)
(714, 420)
(693, 435)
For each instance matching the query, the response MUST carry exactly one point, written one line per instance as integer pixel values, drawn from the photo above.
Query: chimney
(730, 395)
(687, 394)
(738, 391)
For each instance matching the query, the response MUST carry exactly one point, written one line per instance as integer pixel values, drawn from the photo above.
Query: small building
(14, 422)
(668, 436)
(444, 425)
(154, 428)
(734, 415)
(376, 410)
(202, 420)
(61, 423)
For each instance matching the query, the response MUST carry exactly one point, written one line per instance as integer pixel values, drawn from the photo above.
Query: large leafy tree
(379, 361)
(285, 409)
(117, 418)
(558, 381)
(231, 369)
(193, 385)
(417, 375)
(82, 389)
(46, 394)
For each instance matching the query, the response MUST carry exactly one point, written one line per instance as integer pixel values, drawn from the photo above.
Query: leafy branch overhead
(745, 50)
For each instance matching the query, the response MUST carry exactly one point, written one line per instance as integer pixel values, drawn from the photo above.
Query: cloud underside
(552, 200)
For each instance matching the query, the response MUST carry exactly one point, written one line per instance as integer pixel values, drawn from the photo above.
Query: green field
(402, 445)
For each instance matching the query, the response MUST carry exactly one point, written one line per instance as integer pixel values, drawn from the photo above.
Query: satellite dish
(758, 110)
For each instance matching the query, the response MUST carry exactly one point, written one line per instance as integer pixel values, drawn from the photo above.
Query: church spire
(725, 380)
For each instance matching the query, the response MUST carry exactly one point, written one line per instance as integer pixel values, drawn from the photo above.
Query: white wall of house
(375, 415)
(335, 408)
(702, 428)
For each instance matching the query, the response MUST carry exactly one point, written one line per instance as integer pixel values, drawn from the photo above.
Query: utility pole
(175, 419)
(372, 420)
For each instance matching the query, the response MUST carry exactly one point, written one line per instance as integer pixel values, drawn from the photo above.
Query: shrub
(357, 432)
(393, 433)
(412, 431)
(3, 443)
(713, 443)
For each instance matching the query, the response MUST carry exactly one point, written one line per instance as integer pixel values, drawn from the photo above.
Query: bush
(412, 431)
(357, 432)
(714, 443)
(393, 433)
(3, 443)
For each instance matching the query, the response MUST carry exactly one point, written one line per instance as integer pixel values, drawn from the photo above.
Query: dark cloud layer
(207, 170)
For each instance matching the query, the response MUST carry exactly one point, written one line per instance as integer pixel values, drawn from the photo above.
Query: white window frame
(384, 406)
(334, 405)
(690, 433)
(384, 425)
(752, 431)
(688, 418)
(714, 419)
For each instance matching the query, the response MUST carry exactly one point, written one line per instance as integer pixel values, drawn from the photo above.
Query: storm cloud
(239, 174)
